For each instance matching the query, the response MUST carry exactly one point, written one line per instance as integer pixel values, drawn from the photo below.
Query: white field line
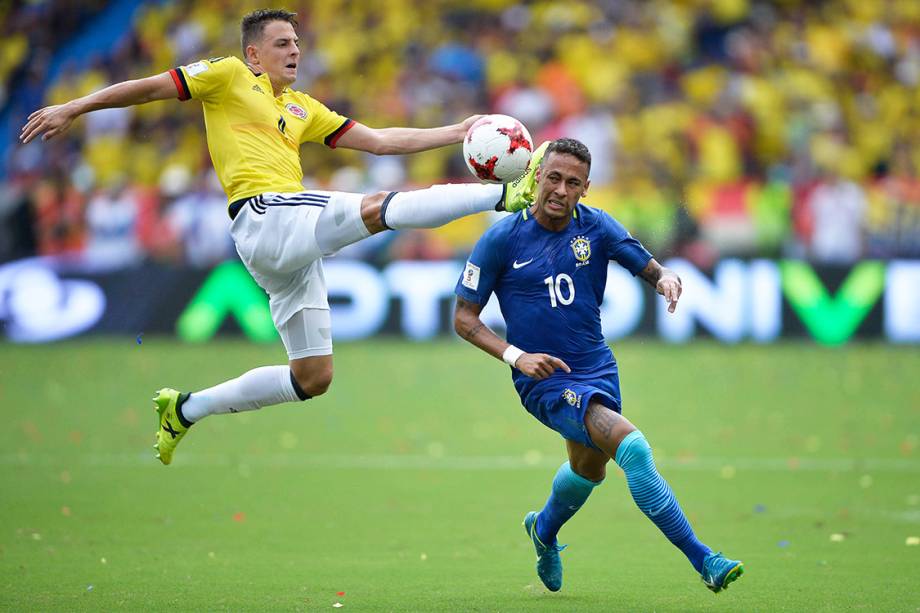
(532, 460)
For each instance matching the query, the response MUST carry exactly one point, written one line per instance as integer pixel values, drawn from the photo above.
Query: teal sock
(654, 497)
(570, 491)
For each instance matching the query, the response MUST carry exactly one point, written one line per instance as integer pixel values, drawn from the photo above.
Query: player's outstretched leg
(440, 204)
(257, 388)
(655, 498)
(344, 222)
(621, 440)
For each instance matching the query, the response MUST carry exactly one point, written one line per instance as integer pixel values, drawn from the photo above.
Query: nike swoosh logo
(517, 264)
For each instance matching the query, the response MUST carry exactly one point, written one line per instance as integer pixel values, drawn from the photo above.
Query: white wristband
(511, 355)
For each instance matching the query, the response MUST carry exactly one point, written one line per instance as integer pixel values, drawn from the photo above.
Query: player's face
(562, 181)
(277, 53)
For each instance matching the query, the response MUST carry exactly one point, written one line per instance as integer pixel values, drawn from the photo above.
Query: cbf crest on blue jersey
(581, 247)
(570, 397)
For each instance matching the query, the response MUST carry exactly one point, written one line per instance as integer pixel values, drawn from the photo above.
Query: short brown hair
(253, 24)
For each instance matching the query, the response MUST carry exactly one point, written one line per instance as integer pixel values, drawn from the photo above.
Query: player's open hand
(48, 121)
(540, 365)
(468, 122)
(670, 287)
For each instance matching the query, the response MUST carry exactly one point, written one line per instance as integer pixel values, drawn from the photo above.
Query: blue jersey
(550, 284)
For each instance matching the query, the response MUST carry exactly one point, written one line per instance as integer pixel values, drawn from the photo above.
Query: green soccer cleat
(719, 571)
(519, 194)
(170, 430)
(549, 566)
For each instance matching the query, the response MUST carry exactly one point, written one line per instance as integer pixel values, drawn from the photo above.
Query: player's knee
(373, 200)
(633, 450)
(313, 382)
(374, 211)
(372, 204)
(319, 383)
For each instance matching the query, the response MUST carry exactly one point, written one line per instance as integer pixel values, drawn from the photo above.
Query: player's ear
(584, 190)
(252, 54)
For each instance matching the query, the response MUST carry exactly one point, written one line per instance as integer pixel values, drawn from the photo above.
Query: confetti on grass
(912, 541)
(340, 593)
(838, 537)
(338, 605)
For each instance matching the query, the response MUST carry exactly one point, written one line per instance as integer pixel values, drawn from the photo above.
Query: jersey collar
(574, 212)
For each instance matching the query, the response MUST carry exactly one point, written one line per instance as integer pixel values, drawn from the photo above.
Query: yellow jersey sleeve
(206, 80)
(325, 125)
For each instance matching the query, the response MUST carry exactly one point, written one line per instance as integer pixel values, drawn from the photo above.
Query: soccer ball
(497, 149)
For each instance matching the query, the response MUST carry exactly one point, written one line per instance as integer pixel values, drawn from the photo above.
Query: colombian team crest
(295, 110)
(570, 397)
(581, 247)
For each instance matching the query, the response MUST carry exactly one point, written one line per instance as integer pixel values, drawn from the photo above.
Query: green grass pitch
(405, 486)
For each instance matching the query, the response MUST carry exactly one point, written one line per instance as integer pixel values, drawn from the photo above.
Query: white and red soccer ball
(497, 149)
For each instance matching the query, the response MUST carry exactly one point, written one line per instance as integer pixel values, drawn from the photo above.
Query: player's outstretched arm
(665, 281)
(471, 328)
(52, 120)
(394, 141)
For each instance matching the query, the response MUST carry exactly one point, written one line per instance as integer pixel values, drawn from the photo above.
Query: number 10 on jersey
(558, 294)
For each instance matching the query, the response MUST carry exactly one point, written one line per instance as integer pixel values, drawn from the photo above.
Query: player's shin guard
(252, 390)
(438, 205)
(654, 497)
(570, 491)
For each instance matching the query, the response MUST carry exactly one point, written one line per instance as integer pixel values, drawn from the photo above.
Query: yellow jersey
(254, 137)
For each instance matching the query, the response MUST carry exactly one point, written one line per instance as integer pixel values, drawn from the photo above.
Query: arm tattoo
(463, 303)
(470, 307)
(469, 334)
(651, 275)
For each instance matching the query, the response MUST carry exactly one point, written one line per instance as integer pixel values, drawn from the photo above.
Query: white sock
(439, 204)
(252, 390)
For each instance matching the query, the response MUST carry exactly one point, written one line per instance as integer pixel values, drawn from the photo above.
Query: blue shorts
(560, 402)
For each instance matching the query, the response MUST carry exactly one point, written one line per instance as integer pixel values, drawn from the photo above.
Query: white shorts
(275, 236)
(307, 333)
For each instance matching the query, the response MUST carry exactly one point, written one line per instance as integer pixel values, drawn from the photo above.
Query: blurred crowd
(718, 127)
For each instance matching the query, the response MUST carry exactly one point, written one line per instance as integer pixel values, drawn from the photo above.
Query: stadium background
(719, 129)
(768, 150)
